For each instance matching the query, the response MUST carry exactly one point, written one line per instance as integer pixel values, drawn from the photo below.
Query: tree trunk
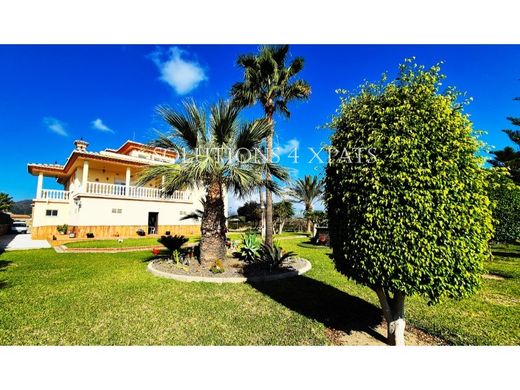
(393, 311)
(308, 209)
(213, 232)
(262, 212)
(268, 194)
(280, 230)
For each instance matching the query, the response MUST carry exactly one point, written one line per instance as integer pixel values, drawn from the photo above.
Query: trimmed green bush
(413, 216)
(505, 195)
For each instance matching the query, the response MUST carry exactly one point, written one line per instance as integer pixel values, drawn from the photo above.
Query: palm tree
(269, 81)
(307, 191)
(215, 156)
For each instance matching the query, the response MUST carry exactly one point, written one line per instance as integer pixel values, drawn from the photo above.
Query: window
(51, 213)
(117, 211)
(183, 212)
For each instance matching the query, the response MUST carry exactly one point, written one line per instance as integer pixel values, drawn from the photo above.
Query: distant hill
(22, 207)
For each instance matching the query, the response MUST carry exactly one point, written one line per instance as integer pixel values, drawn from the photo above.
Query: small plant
(90, 235)
(156, 251)
(140, 232)
(176, 257)
(62, 229)
(217, 267)
(273, 257)
(250, 248)
(168, 233)
(173, 243)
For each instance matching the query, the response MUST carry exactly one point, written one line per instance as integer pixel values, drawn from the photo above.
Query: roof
(119, 155)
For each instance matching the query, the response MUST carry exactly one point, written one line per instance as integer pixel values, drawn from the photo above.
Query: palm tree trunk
(268, 194)
(308, 209)
(213, 235)
(262, 210)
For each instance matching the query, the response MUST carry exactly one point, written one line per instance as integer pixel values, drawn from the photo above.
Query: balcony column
(127, 181)
(39, 187)
(85, 176)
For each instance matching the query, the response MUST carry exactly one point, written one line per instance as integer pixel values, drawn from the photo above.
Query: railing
(54, 195)
(134, 192)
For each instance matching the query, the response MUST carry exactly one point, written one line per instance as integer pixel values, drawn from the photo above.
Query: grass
(110, 299)
(127, 243)
(148, 241)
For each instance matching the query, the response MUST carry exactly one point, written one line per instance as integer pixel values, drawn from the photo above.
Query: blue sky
(51, 95)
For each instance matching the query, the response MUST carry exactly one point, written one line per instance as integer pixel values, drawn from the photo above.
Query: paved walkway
(10, 242)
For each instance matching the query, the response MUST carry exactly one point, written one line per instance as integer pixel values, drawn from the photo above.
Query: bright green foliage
(505, 195)
(249, 248)
(6, 202)
(415, 219)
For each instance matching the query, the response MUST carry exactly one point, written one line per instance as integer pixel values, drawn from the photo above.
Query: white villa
(100, 196)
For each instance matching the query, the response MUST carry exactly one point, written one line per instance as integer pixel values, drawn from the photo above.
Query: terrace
(114, 191)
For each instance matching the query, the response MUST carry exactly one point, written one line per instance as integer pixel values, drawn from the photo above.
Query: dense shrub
(413, 216)
(505, 195)
(5, 219)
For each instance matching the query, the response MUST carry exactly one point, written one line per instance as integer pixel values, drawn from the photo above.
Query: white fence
(134, 192)
(54, 194)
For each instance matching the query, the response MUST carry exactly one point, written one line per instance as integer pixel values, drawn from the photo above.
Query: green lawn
(148, 241)
(127, 242)
(110, 299)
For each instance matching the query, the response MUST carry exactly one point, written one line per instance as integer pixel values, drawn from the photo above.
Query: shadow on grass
(321, 302)
(4, 264)
(506, 254)
(310, 245)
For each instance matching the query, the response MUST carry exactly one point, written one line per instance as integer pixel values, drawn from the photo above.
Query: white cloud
(99, 125)
(289, 147)
(181, 74)
(56, 126)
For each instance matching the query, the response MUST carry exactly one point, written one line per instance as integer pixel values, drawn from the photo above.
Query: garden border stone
(232, 279)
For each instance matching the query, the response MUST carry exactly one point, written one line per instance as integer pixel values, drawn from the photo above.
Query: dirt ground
(413, 337)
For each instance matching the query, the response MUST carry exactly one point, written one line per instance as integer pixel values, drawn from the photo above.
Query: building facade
(100, 195)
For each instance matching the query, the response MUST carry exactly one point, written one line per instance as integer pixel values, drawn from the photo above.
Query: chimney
(81, 146)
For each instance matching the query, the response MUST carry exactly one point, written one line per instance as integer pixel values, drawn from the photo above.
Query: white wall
(95, 211)
(41, 219)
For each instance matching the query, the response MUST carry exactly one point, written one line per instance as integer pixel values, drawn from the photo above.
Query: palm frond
(223, 121)
(251, 134)
(184, 127)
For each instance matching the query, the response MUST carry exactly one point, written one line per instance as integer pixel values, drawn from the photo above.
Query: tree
(282, 212)
(307, 191)
(269, 81)
(317, 217)
(505, 195)
(215, 155)
(414, 219)
(251, 211)
(509, 157)
(6, 202)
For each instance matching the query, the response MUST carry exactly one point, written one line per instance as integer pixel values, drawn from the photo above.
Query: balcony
(116, 191)
(58, 195)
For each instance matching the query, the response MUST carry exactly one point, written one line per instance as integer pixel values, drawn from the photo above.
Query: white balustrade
(54, 194)
(118, 190)
(134, 192)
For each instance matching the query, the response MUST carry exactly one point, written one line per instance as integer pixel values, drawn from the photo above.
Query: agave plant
(274, 256)
(250, 248)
